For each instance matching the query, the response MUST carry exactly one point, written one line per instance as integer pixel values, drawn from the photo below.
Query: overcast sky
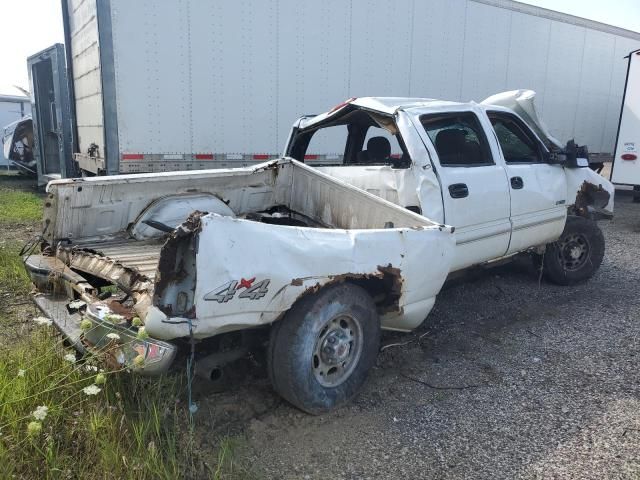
(41, 22)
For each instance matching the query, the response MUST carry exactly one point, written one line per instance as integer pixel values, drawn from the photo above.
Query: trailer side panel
(87, 75)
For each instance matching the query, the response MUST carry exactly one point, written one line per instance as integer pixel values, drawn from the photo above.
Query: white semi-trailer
(626, 160)
(170, 85)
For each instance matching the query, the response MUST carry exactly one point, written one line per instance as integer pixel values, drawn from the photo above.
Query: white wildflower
(90, 368)
(21, 372)
(92, 390)
(76, 304)
(43, 321)
(40, 413)
(113, 318)
(113, 336)
(70, 357)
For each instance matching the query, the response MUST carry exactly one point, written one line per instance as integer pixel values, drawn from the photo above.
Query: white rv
(626, 159)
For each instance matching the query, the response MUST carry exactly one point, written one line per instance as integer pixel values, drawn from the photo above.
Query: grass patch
(19, 206)
(132, 429)
(13, 276)
(127, 430)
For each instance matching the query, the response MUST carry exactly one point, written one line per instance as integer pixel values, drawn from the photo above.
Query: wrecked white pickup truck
(279, 240)
(313, 258)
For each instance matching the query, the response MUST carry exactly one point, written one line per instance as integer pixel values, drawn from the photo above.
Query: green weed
(125, 430)
(19, 206)
(133, 428)
(13, 276)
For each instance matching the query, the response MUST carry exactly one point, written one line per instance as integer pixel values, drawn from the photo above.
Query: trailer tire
(322, 350)
(576, 255)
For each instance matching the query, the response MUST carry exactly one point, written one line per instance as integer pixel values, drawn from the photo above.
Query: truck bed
(205, 252)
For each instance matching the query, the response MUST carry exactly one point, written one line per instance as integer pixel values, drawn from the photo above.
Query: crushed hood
(522, 102)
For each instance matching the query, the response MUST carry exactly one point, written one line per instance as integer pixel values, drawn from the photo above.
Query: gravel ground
(521, 380)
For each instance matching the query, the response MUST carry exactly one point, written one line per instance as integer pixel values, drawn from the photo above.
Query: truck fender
(589, 194)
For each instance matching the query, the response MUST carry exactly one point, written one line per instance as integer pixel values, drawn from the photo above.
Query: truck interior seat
(378, 151)
(473, 153)
(451, 145)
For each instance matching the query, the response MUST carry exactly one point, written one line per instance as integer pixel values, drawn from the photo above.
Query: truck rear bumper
(118, 344)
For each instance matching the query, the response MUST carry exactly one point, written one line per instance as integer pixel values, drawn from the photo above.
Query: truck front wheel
(576, 255)
(322, 350)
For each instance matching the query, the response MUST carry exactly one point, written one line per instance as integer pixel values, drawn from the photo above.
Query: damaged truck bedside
(315, 261)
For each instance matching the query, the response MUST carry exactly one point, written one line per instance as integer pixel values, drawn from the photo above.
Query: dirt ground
(521, 380)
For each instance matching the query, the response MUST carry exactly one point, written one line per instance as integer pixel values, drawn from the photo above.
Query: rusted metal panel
(251, 273)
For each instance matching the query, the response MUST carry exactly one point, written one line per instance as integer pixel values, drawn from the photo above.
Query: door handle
(458, 190)
(517, 183)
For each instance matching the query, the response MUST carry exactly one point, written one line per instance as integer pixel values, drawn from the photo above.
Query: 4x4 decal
(252, 291)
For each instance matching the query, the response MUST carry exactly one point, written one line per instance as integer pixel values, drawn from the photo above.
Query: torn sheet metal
(588, 188)
(250, 273)
(523, 103)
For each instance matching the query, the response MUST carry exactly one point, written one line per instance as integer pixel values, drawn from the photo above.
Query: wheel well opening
(385, 290)
(384, 287)
(589, 197)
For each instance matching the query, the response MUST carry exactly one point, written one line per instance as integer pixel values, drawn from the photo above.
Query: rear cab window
(327, 146)
(355, 140)
(458, 138)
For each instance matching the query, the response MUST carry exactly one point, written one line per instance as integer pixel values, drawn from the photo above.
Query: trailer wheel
(322, 350)
(577, 254)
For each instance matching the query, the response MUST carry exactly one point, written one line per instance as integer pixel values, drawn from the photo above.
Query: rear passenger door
(475, 190)
(538, 189)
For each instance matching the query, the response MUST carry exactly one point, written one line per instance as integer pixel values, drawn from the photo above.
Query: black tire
(636, 194)
(297, 356)
(577, 254)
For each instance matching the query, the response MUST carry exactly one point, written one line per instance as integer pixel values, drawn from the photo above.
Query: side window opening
(354, 140)
(458, 139)
(518, 146)
(381, 147)
(327, 145)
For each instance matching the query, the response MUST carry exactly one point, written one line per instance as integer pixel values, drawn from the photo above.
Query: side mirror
(582, 162)
(572, 156)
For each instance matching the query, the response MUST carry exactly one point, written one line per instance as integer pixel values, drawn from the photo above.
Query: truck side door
(475, 191)
(538, 189)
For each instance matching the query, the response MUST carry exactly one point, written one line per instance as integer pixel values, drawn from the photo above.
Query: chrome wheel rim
(337, 350)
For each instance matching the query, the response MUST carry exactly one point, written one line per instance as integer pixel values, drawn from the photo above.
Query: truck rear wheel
(322, 350)
(577, 254)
